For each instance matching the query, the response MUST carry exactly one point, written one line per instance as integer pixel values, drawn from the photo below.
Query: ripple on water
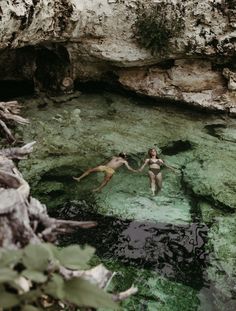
(176, 252)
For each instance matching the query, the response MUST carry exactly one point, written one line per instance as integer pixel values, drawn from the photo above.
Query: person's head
(122, 155)
(152, 153)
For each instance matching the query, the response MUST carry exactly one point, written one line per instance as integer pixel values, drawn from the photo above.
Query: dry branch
(9, 111)
(24, 219)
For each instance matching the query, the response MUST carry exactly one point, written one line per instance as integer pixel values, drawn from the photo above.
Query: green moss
(222, 271)
(154, 291)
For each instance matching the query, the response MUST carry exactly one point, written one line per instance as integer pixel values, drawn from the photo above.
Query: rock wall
(97, 39)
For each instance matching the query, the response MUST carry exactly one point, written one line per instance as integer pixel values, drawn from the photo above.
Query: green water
(177, 247)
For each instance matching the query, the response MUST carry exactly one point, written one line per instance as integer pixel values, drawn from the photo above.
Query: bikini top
(150, 162)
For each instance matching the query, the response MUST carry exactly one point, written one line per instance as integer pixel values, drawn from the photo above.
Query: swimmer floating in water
(154, 172)
(109, 169)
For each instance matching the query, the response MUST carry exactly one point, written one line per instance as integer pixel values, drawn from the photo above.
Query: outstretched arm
(170, 167)
(128, 167)
(144, 164)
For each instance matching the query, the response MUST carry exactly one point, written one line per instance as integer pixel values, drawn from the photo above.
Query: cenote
(178, 247)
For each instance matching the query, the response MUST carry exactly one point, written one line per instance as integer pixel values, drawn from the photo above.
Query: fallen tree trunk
(24, 219)
(9, 112)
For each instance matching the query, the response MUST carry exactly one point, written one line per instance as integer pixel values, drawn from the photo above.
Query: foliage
(31, 279)
(156, 25)
(231, 4)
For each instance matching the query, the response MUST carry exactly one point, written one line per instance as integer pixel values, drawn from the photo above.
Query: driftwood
(9, 112)
(24, 219)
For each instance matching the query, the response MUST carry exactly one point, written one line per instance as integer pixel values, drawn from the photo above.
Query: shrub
(156, 25)
(33, 278)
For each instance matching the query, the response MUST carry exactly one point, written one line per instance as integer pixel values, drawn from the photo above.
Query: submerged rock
(222, 271)
(92, 128)
(155, 292)
(74, 133)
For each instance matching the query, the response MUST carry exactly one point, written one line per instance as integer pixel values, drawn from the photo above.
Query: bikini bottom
(106, 169)
(155, 171)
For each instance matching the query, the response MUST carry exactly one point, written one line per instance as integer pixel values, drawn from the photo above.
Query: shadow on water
(176, 252)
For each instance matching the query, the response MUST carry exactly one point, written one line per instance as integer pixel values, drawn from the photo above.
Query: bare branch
(7, 131)
(124, 295)
(9, 111)
(18, 152)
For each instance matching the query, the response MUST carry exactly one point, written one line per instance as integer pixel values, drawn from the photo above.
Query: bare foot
(153, 192)
(76, 178)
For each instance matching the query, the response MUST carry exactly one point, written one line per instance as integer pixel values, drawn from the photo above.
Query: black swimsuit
(155, 171)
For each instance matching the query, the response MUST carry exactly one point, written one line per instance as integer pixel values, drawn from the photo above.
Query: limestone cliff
(54, 43)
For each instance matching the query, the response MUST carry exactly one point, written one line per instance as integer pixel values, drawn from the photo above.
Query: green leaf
(30, 308)
(31, 296)
(34, 276)
(8, 300)
(7, 275)
(83, 293)
(74, 257)
(36, 257)
(52, 249)
(55, 287)
(10, 257)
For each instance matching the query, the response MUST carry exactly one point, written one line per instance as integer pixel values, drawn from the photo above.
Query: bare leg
(159, 182)
(91, 170)
(106, 179)
(152, 182)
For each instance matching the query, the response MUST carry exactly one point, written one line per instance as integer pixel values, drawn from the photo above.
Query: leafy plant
(231, 4)
(39, 275)
(156, 25)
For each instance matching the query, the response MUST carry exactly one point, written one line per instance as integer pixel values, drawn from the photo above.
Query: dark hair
(149, 152)
(123, 155)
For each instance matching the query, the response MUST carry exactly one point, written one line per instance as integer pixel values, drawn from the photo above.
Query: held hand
(175, 170)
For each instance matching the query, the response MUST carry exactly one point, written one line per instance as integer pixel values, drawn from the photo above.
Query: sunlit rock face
(96, 39)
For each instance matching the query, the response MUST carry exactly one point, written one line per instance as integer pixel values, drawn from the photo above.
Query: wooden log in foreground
(24, 219)
(9, 112)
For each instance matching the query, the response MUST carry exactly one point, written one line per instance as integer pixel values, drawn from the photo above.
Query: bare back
(116, 162)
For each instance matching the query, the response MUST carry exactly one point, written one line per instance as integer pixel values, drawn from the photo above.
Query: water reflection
(176, 252)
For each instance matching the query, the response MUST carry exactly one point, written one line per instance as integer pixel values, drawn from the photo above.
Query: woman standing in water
(154, 172)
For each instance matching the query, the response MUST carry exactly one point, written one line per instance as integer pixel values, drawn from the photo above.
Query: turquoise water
(178, 248)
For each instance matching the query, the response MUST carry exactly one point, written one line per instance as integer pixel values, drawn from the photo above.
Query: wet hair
(122, 155)
(150, 150)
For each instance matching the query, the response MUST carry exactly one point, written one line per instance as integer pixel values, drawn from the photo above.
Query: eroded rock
(86, 40)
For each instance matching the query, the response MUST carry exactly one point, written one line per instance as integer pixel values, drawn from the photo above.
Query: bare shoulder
(119, 159)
